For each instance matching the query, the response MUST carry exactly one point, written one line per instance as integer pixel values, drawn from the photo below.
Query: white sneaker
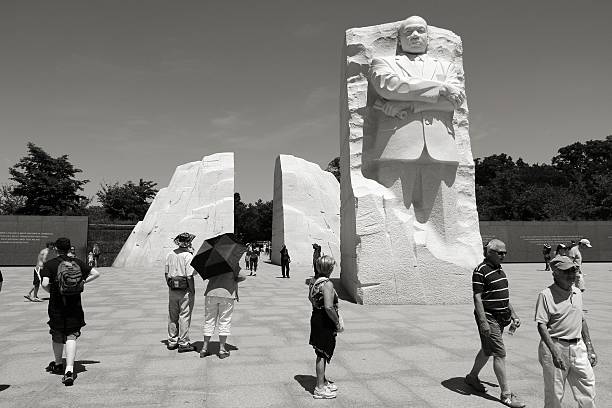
(323, 393)
(331, 386)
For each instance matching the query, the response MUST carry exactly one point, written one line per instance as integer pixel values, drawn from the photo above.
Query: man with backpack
(64, 277)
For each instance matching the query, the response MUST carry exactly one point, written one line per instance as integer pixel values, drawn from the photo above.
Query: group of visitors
(220, 294)
(49, 252)
(566, 352)
(573, 251)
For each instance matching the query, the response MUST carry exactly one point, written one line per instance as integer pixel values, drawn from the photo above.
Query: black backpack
(69, 278)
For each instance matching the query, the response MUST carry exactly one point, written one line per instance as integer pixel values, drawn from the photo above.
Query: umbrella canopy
(218, 255)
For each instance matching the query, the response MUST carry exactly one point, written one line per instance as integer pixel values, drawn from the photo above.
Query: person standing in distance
(285, 260)
(45, 254)
(566, 352)
(493, 311)
(66, 317)
(576, 257)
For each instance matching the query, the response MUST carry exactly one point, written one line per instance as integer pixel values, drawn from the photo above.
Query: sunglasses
(500, 253)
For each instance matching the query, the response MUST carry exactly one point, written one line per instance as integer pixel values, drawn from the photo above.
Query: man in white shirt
(181, 293)
(565, 352)
(576, 257)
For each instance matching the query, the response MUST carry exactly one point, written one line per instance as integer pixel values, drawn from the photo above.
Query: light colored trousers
(180, 306)
(579, 374)
(218, 313)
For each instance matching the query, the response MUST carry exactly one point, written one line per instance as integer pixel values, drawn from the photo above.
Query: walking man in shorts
(66, 317)
(493, 312)
(566, 352)
(43, 255)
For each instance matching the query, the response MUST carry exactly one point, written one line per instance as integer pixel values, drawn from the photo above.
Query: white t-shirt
(179, 264)
(561, 311)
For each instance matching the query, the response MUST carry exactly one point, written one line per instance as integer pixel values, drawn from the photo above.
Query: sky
(131, 89)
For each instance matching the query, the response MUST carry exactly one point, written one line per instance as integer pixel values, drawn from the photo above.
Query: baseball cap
(562, 263)
(586, 242)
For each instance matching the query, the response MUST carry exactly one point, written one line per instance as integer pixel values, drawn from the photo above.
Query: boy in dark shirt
(66, 317)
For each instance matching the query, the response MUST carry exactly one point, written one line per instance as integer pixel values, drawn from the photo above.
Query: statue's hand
(453, 94)
(396, 109)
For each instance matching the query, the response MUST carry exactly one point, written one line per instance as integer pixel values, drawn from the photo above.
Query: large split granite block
(306, 210)
(409, 225)
(199, 200)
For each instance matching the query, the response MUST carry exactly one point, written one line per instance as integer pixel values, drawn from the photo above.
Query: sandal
(223, 353)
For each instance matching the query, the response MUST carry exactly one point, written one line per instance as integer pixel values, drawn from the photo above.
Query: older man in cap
(565, 352)
(576, 256)
(181, 293)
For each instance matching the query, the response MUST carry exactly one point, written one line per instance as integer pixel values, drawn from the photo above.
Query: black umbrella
(218, 255)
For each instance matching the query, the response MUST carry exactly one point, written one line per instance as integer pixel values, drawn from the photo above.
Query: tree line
(576, 185)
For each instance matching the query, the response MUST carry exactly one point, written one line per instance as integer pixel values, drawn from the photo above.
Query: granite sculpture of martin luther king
(413, 147)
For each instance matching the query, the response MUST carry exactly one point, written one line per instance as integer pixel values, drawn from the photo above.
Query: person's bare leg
(70, 354)
(205, 346)
(499, 366)
(35, 289)
(320, 370)
(58, 350)
(479, 362)
(222, 340)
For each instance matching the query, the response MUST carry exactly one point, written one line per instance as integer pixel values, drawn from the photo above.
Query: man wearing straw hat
(181, 293)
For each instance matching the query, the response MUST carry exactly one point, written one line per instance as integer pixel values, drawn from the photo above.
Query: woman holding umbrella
(218, 262)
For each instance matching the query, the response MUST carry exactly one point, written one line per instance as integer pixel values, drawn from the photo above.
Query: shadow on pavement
(308, 382)
(3, 387)
(458, 385)
(79, 365)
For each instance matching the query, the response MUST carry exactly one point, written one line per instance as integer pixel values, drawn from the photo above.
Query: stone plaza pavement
(389, 356)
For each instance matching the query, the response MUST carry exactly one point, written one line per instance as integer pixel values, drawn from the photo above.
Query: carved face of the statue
(413, 35)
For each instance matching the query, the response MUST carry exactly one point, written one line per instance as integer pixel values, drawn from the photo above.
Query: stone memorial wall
(306, 210)
(198, 200)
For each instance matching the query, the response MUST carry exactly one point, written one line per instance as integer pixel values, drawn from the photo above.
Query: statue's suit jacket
(430, 127)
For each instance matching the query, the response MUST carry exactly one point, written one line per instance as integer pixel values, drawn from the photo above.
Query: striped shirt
(491, 282)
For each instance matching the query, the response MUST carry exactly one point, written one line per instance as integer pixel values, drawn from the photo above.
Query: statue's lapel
(406, 66)
(430, 66)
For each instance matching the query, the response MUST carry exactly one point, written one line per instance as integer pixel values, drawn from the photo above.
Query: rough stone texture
(306, 210)
(199, 200)
(389, 255)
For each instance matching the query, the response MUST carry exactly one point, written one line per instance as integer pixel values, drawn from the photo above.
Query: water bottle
(512, 328)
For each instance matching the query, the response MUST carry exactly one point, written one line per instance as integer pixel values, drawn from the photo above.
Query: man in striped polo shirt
(493, 312)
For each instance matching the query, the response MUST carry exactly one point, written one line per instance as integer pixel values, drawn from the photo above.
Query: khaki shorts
(493, 344)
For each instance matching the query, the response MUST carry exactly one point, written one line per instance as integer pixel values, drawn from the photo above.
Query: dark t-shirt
(65, 312)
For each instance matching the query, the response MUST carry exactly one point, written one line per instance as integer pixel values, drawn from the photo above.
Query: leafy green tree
(9, 202)
(334, 168)
(253, 221)
(128, 201)
(48, 184)
(577, 186)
